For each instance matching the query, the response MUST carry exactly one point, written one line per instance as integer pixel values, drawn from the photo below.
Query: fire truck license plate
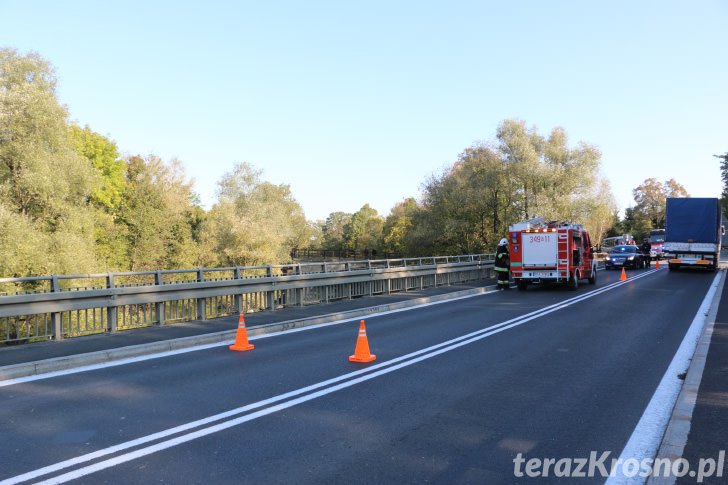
(539, 273)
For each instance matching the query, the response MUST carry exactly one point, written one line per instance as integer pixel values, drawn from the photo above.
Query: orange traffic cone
(361, 353)
(241, 338)
(657, 266)
(624, 276)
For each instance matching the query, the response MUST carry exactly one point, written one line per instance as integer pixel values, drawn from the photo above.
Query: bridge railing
(61, 306)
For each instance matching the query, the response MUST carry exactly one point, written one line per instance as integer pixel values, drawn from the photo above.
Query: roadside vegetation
(70, 203)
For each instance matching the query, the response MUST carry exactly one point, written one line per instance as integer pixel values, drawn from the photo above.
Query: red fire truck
(543, 252)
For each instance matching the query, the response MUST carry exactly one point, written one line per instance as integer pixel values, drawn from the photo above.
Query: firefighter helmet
(503, 242)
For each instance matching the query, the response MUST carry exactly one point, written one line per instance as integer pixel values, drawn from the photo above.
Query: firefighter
(502, 264)
(645, 248)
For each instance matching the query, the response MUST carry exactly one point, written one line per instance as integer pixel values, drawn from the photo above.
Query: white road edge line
(647, 435)
(370, 372)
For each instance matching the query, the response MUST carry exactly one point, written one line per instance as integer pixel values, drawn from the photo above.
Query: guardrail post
(326, 287)
(370, 283)
(299, 291)
(112, 313)
(347, 267)
(238, 298)
(270, 304)
(56, 318)
(159, 307)
(389, 280)
(201, 303)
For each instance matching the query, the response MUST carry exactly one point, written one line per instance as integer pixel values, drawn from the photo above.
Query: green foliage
(45, 185)
(104, 156)
(521, 176)
(364, 230)
(651, 198)
(724, 177)
(21, 244)
(41, 175)
(252, 223)
(27, 250)
(398, 226)
(332, 230)
(30, 69)
(156, 214)
(468, 205)
(601, 213)
(635, 223)
(521, 149)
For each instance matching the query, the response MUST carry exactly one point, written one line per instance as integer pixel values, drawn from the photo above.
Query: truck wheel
(673, 266)
(573, 282)
(522, 285)
(593, 277)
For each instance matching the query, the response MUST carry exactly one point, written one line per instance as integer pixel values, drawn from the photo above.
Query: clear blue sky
(359, 102)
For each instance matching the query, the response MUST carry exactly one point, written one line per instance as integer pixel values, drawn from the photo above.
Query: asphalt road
(457, 391)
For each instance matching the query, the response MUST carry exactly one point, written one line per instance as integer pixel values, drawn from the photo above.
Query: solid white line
(350, 380)
(647, 435)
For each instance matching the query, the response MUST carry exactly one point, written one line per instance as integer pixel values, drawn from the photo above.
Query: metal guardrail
(56, 307)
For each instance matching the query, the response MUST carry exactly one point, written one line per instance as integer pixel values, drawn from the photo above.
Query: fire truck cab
(546, 252)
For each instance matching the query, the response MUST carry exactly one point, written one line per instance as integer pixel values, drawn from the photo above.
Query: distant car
(626, 256)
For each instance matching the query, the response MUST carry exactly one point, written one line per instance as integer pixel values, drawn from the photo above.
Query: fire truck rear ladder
(563, 253)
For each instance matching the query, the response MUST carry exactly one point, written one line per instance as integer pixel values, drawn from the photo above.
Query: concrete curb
(678, 428)
(103, 356)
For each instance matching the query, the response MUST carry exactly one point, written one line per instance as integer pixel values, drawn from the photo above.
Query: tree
(520, 176)
(23, 248)
(253, 222)
(41, 174)
(575, 189)
(397, 226)
(651, 198)
(601, 214)
(332, 230)
(470, 205)
(45, 185)
(724, 176)
(104, 157)
(157, 213)
(674, 189)
(521, 149)
(635, 223)
(363, 230)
